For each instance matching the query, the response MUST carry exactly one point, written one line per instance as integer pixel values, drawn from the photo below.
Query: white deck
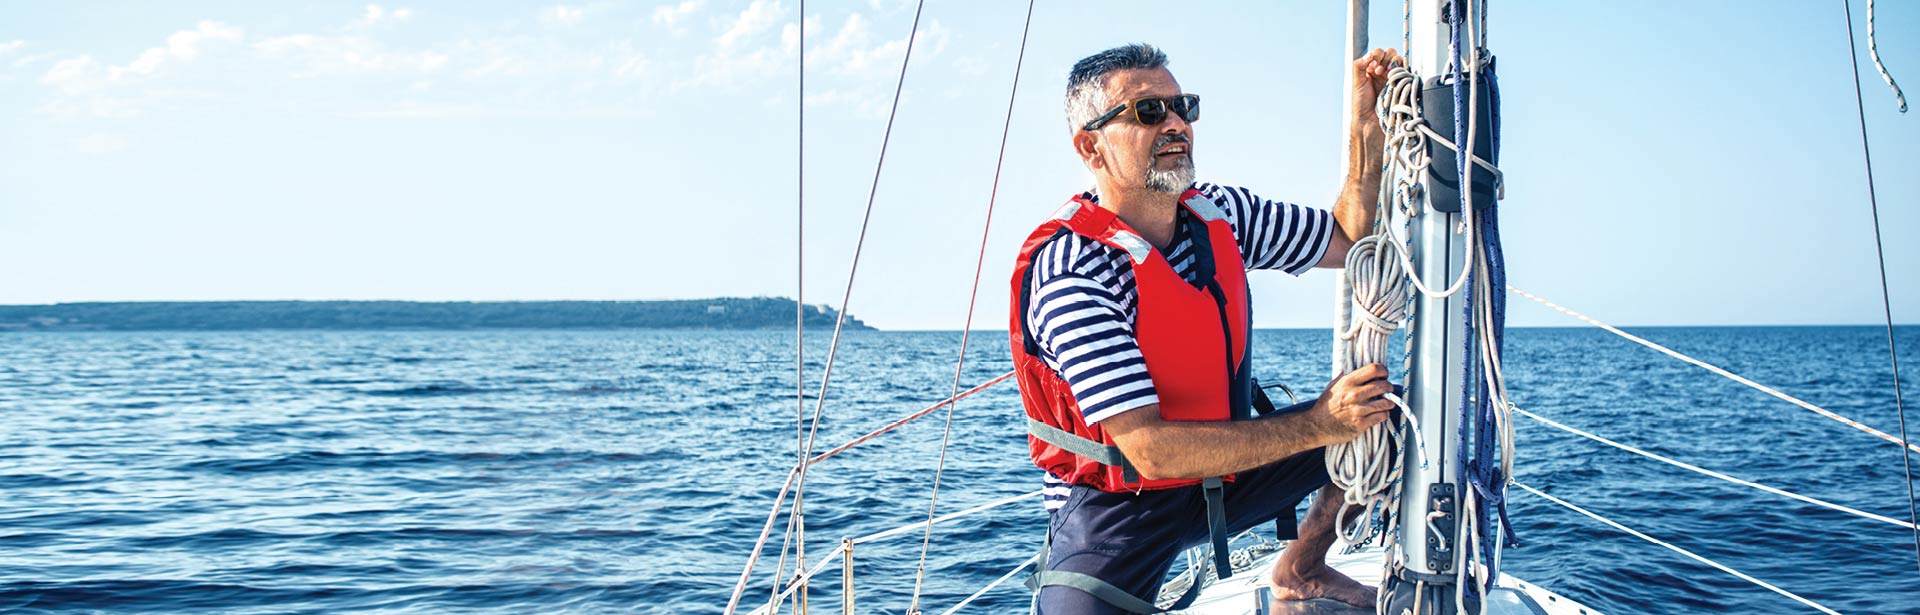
(1241, 594)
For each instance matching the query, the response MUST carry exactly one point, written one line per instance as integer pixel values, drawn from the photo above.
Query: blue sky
(1668, 163)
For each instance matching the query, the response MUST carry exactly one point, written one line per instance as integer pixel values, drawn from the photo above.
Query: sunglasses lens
(1151, 111)
(1188, 106)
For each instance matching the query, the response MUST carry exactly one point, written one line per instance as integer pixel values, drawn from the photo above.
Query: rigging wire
(1879, 251)
(853, 270)
(800, 275)
(833, 346)
(966, 331)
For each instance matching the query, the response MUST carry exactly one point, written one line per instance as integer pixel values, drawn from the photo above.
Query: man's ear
(1085, 144)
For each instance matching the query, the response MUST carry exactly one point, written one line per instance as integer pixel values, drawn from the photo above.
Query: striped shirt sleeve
(1272, 234)
(1084, 329)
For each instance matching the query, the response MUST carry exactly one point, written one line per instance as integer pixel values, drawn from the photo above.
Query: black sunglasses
(1150, 110)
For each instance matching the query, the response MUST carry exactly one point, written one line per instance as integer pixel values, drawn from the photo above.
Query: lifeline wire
(966, 331)
(1886, 304)
(1696, 557)
(1694, 468)
(1715, 369)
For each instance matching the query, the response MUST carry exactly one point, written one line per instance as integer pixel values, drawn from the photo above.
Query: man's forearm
(1198, 449)
(1354, 212)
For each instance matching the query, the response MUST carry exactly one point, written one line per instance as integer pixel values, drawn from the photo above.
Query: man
(1130, 326)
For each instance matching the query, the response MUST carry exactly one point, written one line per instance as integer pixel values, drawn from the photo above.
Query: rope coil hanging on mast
(1383, 292)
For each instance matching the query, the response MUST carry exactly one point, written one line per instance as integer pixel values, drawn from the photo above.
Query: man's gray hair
(1087, 84)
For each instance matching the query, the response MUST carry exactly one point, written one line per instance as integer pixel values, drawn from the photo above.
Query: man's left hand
(1369, 77)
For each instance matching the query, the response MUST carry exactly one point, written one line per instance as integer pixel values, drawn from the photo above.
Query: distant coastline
(721, 313)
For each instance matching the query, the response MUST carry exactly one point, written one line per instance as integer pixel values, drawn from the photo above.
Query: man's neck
(1149, 212)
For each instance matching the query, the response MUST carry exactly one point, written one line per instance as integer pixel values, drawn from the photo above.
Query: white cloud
(755, 19)
(628, 64)
(376, 14)
(672, 15)
(563, 15)
(100, 143)
(11, 46)
(790, 35)
(851, 52)
(739, 52)
(411, 109)
(86, 86)
(347, 55)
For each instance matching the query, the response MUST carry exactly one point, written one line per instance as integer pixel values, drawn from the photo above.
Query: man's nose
(1175, 124)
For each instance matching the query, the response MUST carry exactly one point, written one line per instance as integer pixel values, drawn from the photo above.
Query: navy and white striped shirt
(1081, 309)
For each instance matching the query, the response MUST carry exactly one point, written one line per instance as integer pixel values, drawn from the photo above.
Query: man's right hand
(1352, 404)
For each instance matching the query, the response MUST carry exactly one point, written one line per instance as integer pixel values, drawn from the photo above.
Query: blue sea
(630, 471)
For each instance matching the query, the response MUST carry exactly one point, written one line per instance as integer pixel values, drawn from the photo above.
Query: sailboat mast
(1430, 498)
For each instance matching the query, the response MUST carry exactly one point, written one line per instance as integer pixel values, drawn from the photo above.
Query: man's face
(1157, 157)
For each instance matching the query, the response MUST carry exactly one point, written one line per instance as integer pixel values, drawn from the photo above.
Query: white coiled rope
(1368, 468)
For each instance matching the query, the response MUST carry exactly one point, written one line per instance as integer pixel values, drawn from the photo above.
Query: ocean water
(629, 471)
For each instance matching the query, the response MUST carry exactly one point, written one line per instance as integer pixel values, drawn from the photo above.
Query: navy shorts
(1130, 540)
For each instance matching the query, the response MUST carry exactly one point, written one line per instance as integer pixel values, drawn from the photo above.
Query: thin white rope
(1688, 466)
(944, 518)
(1676, 549)
(1873, 52)
(1730, 375)
(996, 583)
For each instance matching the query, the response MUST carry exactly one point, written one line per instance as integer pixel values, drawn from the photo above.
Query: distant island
(724, 313)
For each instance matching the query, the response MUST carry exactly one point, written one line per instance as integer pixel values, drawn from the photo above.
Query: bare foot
(1321, 581)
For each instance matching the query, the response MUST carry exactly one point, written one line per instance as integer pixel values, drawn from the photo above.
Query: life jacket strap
(1106, 592)
(1217, 525)
(1084, 447)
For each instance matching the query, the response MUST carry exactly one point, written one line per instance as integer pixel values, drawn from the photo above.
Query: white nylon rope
(1873, 52)
(1676, 549)
(1367, 469)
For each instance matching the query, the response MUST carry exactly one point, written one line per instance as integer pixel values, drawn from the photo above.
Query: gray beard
(1173, 180)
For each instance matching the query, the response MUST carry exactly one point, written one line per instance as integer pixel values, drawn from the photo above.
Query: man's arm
(1353, 211)
(1160, 448)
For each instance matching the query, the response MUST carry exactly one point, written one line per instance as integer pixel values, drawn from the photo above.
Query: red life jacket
(1194, 341)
